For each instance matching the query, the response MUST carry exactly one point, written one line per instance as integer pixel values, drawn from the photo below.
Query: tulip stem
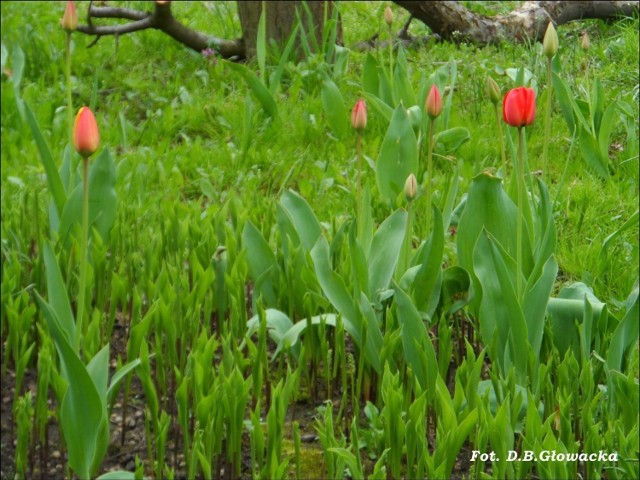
(429, 172)
(359, 186)
(407, 239)
(520, 180)
(547, 120)
(69, 99)
(502, 150)
(391, 61)
(83, 251)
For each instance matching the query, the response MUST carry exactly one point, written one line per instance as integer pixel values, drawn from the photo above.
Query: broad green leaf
(359, 271)
(500, 311)
(456, 284)
(57, 293)
(112, 391)
(534, 305)
(604, 129)
(570, 110)
(54, 181)
(379, 106)
(370, 82)
(401, 80)
(302, 217)
(262, 263)
(261, 43)
(489, 207)
(375, 340)
(428, 280)
(257, 86)
(416, 342)
(102, 200)
(385, 250)
(98, 369)
(625, 334)
(568, 310)
(81, 413)
(450, 140)
(398, 156)
(292, 335)
(334, 289)
(278, 324)
(117, 475)
(334, 108)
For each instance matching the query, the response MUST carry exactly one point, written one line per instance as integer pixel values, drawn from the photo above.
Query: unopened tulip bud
(69, 20)
(550, 42)
(585, 41)
(388, 16)
(433, 104)
(86, 137)
(359, 115)
(411, 187)
(492, 90)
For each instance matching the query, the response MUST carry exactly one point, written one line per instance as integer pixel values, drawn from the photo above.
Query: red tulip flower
(519, 107)
(86, 137)
(69, 20)
(359, 115)
(434, 102)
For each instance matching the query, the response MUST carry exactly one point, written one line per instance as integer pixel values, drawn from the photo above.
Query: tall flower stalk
(410, 192)
(433, 107)
(86, 140)
(492, 90)
(69, 22)
(359, 122)
(549, 48)
(519, 110)
(388, 19)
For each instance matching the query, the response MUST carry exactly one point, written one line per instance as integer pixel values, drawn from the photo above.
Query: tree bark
(281, 19)
(452, 21)
(161, 18)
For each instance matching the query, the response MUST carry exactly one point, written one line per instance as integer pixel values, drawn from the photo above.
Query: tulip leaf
(428, 280)
(489, 207)
(54, 182)
(625, 334)
(450, 140)
(398, 156)
(334, 108)
(82, 413)
(102, 200)
(418, 349)
(385, 250)
(302, 217)
(379, 106)
(57, 293)
(336, 292)
(568, 310)
(262, 264)
(401, 80)
(370, 82)
(257, 86)
(501, 318)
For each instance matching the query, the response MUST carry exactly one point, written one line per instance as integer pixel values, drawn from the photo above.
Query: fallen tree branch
(160, 19)
(452, 21)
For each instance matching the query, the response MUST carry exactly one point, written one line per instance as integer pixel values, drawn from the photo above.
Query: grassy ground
(188, 136)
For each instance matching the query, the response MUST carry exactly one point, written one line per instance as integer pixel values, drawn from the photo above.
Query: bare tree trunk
(281, 19)
(453, 21)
